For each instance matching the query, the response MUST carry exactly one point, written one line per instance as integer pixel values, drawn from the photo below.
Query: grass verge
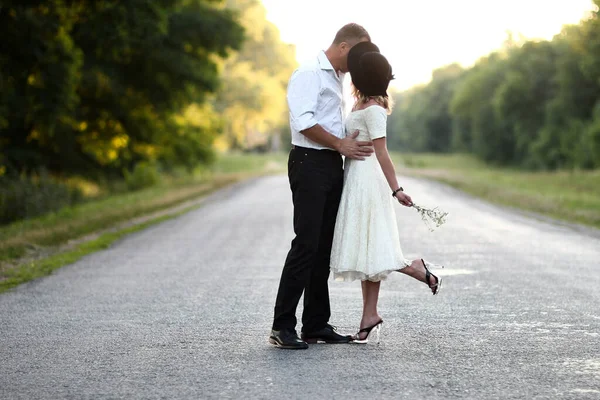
(44, 266)
(34, 248)
(572, 196)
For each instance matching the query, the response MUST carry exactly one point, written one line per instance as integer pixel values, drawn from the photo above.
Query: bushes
(22, 197)
(143, 175)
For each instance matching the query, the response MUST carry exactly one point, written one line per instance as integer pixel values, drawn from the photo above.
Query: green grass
(33, 248)
(572, 196)
(39, 268)
(73, 222)
(250, 163)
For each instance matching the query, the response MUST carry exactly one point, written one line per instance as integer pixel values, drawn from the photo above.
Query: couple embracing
(344, 218)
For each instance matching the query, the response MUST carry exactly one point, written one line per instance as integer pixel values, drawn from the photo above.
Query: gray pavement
(182, 310)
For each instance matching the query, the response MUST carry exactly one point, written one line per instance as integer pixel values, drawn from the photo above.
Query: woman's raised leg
(418, 270)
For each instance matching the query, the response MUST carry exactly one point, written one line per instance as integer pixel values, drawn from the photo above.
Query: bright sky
(418, 36)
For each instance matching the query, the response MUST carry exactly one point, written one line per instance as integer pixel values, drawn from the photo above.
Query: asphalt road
(182, 310)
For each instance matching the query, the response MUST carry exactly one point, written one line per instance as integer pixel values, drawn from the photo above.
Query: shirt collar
(324, 61)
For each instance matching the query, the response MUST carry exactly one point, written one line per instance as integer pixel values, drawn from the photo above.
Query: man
(316, 175)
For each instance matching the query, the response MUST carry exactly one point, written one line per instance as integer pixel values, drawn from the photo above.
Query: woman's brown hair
(383, 101)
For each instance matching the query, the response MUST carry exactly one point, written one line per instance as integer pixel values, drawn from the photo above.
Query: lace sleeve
(376, 120)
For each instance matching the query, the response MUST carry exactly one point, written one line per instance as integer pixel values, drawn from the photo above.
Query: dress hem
(354, 275)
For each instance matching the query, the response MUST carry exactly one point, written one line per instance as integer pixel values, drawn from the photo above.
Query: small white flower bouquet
(433, 218)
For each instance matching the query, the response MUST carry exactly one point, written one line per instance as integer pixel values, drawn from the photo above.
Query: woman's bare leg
(417, 270)
(370, 316)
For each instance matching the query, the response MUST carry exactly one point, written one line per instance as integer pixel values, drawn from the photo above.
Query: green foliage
(532, 104)
(95, 87)
(27, 197)
(422, 120)
(252, 97)
(144, 175)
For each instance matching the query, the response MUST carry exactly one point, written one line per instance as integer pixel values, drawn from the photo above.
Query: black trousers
(316, 179)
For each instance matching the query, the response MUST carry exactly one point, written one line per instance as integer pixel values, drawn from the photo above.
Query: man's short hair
(351, 33)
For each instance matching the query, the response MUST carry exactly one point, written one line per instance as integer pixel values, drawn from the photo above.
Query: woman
(366, 244)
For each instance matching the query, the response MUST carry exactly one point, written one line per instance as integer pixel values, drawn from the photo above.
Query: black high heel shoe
(437, 286)
(371, 330)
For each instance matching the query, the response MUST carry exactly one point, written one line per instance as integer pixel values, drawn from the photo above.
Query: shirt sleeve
(376, 120)
(302, 96)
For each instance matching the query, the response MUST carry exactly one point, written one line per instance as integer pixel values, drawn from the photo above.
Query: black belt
(294, 147)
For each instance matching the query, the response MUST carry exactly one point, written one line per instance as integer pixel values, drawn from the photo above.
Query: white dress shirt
(314, 96)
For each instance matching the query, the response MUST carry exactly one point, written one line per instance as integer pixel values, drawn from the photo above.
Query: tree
(92, 87)
(531, 104)
(422, 121)
(252, 98)
(520, 101)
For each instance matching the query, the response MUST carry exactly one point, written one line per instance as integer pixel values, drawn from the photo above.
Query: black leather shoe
(287, 339)
(326, 335)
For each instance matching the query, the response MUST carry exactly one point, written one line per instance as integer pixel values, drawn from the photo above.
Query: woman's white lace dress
(366, 244)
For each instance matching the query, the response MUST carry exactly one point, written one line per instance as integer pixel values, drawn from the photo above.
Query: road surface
(182, 310)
